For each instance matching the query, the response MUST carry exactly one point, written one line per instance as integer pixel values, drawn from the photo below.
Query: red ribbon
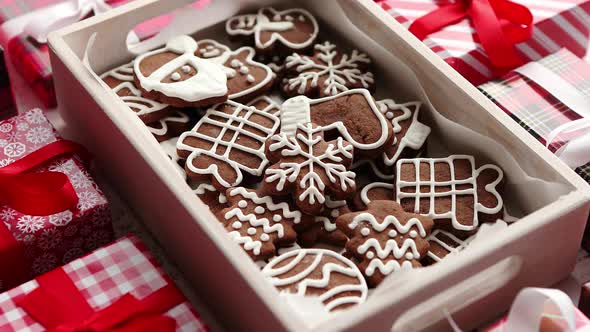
(40, 193)
(58, 305)
(500, 24)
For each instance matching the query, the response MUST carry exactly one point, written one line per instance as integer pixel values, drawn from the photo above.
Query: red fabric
(7, 104)
(60, 307)
(500, 24)
(11, 254)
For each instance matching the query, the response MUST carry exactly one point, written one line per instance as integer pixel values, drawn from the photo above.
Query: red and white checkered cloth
(558, 24)
(537, 110)
(102, 277)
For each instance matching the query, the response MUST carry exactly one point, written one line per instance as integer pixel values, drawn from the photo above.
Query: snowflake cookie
(121, 81)
(326, 73)
(170, 126)
(309, 167)
(259, 223)
(385, 239)
(324, 227)
(275, 31)
(321, 273)
(352, 114)
(451, 191)
(228, 142)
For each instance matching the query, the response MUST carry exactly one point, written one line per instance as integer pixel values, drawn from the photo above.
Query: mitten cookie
(333, 278)
(451, 191)
(441, 244)
(213, 198)
(274, 31)
(121, 81)
(410, 134)
(385, 239)
(259, 223)
(228, 143)
(324, 227)
(309, 167)
(246, 78)
(352, 114)
(170, 126)
(326, 73)
(176, 76)
(374, 191)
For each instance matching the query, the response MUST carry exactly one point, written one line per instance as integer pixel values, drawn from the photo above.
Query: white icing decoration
(231, 122)
(175, 76)
(251, 231)
(236, 225)
(391, 248)
(259, 210)
(210, 80)
(297, 109)
(207, 187)
(178, 117)
(186, 69)
(413, 234)
(330, 161)
(258, 23)
(143, 105)
(264, 237)
(393, 233)
(434, 237)
(301, 18)
(337, 74)
(235, 63)
(370, 255)
(250, 79)
(169, 147)
(453, 193)
(289, 18)
(242, 204)
(277, 218)
(303, 280)
(374, 168)
(244, 70)
(416, 134)
(365, 231)
(329, 225)
(365, 191)
(246, 241)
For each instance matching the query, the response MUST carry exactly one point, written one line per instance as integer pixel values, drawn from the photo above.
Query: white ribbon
(577, 151)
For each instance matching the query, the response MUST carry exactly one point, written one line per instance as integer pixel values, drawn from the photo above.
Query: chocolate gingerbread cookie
(374, 191)
(324, 228)
(215, 200)
(170, 126)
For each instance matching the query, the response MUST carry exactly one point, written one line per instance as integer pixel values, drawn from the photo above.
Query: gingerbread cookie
(309, 167)
(276, 63)
(213, 198)
(169, 147)
(324, 228)
(274, 31)
(369, 167)
(259, 224)
(121, 81)
(385, 239)
(410, 134)
(170, 126)
(326, 73)
(352, 114)
(451, 191)
(441, 244)
(176, 76)
(246, 78)
(318, 272)
(374, 191)
(228, 143)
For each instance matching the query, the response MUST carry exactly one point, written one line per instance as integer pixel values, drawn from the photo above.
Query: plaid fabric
(537, 110)
(102, 277)
(558, 24)
(7, 104)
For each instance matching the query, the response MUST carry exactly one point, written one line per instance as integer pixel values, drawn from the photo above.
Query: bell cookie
(451, 191)
(274, 31)
(324, 228)
(385, 239)
(170, 126)
(442, 244)
(228, 143)
(176, 76)
(327, 73)
(309, 167)
(322, 273)
(213, 198)
(352, 114)
(374, 191)
(259, 223)
(121, 81)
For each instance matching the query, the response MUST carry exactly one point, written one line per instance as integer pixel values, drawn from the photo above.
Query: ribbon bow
(500, 24)
(58, 305)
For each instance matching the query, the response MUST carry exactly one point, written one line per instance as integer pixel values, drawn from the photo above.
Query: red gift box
(41, 243)
(7, 104)
(557, 24)
(31, 59)
(118, 287)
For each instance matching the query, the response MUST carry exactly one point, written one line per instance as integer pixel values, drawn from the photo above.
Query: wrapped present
(7, 104)
(40, 230)
(484, 39)
(26, 24)
(543, 310)
(119, 287)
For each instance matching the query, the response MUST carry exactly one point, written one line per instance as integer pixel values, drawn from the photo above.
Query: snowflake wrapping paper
(47, 242)
(101, 278)
(557, 24)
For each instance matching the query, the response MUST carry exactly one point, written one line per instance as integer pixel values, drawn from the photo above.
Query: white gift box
(473, 286)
